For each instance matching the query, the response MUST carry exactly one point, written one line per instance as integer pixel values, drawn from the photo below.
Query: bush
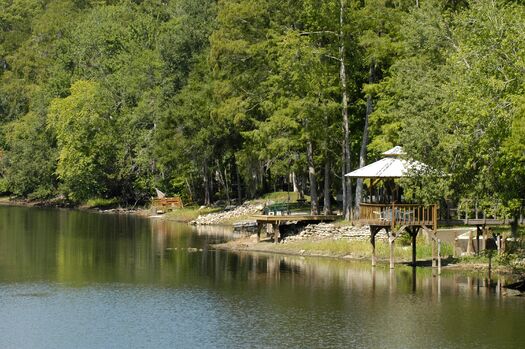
(102, 203)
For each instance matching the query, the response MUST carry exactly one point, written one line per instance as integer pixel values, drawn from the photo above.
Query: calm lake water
(71, 279)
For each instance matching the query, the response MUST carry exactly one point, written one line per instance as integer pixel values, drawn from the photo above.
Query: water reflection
(92, 268)
(80, 247)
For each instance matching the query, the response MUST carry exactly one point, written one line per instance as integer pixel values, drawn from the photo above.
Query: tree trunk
(294, 182)
(226, 185)
(346, 166)
(514, 225)
(190, 191)
(327, 195)
(223, 180)
(312, 178)
(364, 143)
(207, 191)
(237, 181)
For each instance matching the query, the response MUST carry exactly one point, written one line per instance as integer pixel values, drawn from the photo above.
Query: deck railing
(398, 214)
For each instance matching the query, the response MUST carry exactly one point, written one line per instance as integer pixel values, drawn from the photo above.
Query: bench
(168, 202)
(280, 208)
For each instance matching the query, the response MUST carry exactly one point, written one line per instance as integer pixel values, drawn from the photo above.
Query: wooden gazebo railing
(398, 214)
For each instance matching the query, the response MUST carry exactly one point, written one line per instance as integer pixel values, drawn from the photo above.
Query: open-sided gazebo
(384, 207)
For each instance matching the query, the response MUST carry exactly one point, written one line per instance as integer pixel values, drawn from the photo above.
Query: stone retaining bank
(245, 209)
(323, 231)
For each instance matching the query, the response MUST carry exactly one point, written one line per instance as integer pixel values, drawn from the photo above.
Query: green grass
(364, 249)
(279, 196)
(102, 203)
(189, 213)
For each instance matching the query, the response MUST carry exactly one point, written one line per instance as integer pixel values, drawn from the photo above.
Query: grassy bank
(361, 250)
(337, 248)
(189, 213)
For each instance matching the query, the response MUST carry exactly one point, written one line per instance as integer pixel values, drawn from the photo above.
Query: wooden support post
(499, 243)
(391, 240)
(485, 236)
(373, 232)
(478, 233)
(439, 256)
(469, 243)
(414, 249)
(276, 232)
(413, 233)
(434, 257)
(456, 246)
(259, 229)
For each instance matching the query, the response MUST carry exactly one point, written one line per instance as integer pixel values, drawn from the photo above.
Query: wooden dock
(276, 220)
(395, 218)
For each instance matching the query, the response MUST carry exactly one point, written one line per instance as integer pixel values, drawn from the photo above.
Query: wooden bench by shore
(167, 203)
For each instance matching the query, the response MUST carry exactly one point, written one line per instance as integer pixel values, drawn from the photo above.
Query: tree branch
(320, 32)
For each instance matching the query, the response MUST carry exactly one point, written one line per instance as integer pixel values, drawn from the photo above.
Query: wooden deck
(276, 220)
(477, 222)
(295, 218)
(395, 219)
(391, 215)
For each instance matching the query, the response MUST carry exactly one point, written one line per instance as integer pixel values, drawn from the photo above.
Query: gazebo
(385, 209)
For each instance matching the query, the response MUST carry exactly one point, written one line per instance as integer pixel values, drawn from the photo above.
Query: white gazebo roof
(389, 167)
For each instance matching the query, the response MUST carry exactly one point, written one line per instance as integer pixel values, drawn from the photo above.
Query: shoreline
(248, 244)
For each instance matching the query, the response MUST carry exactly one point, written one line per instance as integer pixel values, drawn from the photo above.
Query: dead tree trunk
(294, 182)
(206, 183)
(327, 195)
(237, 180)
(364, 142)
(312, 178)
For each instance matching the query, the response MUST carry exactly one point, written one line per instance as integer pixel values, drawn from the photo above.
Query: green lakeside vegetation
(189, 213)
(101, 101)
(362, 249)
(232, 99)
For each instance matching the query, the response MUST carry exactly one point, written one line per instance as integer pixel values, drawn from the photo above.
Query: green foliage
(102, 203)
(28, 161)
(214, 100)
(451, 101)
(85, 139)
(361, 249)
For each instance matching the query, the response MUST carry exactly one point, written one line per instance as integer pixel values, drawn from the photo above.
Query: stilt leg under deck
(373, 232)
(391, 242)
(439, 256)
(391, 238)
(434, 254)
(478, 233)
(259, 229)
(373, 241)
(276, 232)
(414, 236)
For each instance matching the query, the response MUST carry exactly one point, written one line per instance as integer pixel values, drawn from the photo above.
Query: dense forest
(230, 99)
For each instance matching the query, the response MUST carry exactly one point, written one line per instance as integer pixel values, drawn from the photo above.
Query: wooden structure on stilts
(396, 218)
(384, 210)
(277, 220)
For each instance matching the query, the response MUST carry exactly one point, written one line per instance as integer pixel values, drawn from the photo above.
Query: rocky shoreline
(332, 231)
(223, 217)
